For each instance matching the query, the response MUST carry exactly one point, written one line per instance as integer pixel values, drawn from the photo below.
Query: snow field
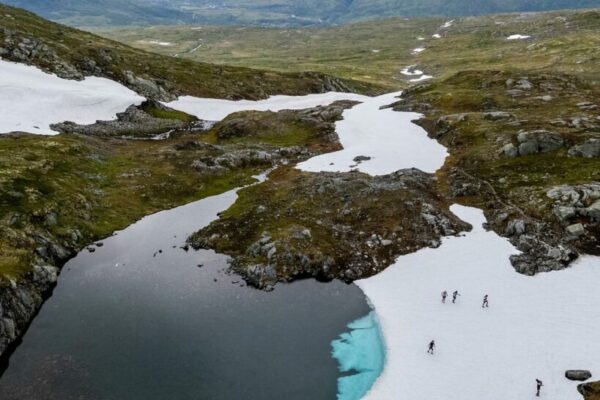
(31, 100)
(536, 327)
(218, 109)
(390, 138)
(518, 37)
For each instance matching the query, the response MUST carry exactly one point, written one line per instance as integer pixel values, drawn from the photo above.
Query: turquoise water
(361, 353)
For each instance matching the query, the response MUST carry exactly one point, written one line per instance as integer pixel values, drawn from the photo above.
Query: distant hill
(272, 12)
(71, 53)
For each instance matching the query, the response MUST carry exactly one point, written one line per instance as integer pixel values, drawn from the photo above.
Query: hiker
(444, 295)
(431, 347)
(454, 296)
(485, 302)
(539, 385)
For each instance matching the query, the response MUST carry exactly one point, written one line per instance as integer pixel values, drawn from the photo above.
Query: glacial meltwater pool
(139, 319)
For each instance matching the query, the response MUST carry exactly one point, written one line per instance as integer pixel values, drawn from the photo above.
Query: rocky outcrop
(543, 247)
(534, 142)
(577, 208)
(134, 122)
(254, 123)
(253, 138)
(573, 201)
(33, 51)
(328, 225)
(244, 157)
(488, 120)
(29, 50)
(588, 149)
(20, 300)
(499, 116)
(147, 87)
(590, 391)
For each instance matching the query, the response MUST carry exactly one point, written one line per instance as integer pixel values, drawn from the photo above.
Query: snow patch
(535, 327)
(448, 24)
(436, 36)
(217, 109)
(418, 50)
(157, 42)
(411, 71)
(389, 137)
(196, 48)
(421, 78)
(31, 100)
(518, 37)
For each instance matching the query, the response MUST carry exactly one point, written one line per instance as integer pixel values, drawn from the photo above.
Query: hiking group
(484, 304)
(455, 295)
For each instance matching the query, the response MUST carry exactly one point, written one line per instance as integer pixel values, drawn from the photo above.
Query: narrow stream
(140, 319)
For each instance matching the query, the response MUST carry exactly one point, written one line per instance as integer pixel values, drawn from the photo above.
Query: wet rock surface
(328, 225)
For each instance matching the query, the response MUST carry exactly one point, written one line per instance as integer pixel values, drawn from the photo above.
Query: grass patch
(157, 112)
(68, 185)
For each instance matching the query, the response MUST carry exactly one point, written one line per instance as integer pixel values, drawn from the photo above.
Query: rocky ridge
(30, 50)
(137, 122)
(328, 225)
(527, 166)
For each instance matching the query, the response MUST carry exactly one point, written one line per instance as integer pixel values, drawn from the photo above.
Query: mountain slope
(73, 54)
(273, 12)
(379, 51)
(367, 9)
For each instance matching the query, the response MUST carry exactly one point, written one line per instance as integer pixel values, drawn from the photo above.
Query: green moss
(92, 186)
(281, 129)
(168, 114)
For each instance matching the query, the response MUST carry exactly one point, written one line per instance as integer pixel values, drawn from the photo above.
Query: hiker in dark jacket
(444, 295)
(539, 385)
(431, 347)
(454, 296)
(485, 302)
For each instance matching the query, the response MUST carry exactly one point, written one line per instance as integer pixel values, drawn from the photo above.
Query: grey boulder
(587, 149)
(539, 141)
(578, 375)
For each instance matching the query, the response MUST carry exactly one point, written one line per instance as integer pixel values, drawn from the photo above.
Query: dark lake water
(128, 322)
